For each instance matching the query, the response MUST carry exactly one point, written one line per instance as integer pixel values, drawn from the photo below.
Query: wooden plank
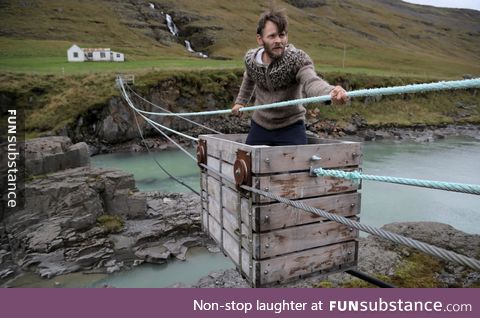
(230, 246)
(286, 267)
(227, 168)
(303, 237)
(282, 241)
(230, 197)
(301, 185)
(283, 268)
(217, 144)
(298, 158)
(238, 138)
(333, 154)
(280, 215)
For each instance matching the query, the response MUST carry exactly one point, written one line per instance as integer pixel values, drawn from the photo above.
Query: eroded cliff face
(115, 122)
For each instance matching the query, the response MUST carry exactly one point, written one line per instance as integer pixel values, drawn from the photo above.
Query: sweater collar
(256, 51)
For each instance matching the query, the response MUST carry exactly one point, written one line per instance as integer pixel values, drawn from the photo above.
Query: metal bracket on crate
(312, 161)
(242, 168)
(202, 152)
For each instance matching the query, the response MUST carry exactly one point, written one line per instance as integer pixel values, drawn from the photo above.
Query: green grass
(423, 42)
(418, 270)
(59, 65)
(111, 223)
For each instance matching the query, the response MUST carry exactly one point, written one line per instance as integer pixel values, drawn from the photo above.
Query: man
(275, 72)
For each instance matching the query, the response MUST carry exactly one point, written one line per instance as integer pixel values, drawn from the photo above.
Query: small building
(75, 54)
(117, 56)
(78, 54)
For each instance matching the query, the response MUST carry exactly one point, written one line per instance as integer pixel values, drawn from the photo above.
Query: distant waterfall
(171, 26)
(174, 31)
(189, 49)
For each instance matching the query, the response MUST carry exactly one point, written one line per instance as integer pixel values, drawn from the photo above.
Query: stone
(50, 154)
(180, 247)
(6, 273)
(153, 254)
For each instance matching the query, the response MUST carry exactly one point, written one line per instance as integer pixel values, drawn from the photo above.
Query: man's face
(273, 41)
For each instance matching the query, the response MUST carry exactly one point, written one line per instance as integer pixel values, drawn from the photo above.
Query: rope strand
(439, 185)
(415, 88)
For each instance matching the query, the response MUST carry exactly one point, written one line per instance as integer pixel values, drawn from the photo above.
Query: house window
(75, 54)
(118, 55)
(89, 55)
(102, 55)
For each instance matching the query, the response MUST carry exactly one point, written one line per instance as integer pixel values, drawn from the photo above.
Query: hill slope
(384, 35)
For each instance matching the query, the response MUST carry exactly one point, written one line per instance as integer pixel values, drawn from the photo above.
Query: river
(452, 159)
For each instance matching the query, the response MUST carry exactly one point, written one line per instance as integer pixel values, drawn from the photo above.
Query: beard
(275, 52)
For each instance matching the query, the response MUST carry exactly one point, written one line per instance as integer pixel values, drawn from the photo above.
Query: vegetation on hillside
(386, 37)
(385, 42)
(52, 102)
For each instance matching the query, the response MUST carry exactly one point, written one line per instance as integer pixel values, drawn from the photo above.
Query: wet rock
(229, 278)
(379, 135)
(6, 273)
(179, 247)
(3, 256)
(153, 254)
(369, 135)
(351, 129)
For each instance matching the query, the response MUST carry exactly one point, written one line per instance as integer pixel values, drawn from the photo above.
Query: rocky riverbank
(90, 219)
(354, 132)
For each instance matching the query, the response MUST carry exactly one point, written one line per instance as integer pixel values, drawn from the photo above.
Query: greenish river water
(453, 159)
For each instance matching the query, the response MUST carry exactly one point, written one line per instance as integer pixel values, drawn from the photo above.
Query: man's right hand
(236, 110)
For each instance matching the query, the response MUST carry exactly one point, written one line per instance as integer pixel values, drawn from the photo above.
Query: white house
(75, 54)
(78, 54)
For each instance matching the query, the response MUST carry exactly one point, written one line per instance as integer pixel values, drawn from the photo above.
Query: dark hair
(276, 16)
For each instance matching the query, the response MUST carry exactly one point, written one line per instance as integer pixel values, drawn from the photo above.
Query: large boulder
(50, 154)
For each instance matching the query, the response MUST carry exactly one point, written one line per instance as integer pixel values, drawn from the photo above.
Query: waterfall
(171, 26)
(188, 45)
(174, 30)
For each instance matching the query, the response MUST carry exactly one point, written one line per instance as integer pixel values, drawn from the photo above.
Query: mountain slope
(387, 35)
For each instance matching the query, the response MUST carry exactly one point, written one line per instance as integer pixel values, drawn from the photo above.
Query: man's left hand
(339, 95)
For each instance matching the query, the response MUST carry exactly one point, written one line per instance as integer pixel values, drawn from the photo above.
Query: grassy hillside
(387, 37)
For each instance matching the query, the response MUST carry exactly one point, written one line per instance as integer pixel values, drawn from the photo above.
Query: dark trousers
(294, 134)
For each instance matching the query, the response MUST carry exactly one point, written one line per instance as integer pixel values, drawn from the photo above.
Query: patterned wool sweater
(284, 79)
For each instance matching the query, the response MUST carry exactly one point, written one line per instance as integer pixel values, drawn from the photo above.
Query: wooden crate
(272, 242)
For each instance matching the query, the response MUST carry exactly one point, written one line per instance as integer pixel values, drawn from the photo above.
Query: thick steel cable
(439, 185)
(130, 103)
(176, 114)
(415, 88)
(424, 247)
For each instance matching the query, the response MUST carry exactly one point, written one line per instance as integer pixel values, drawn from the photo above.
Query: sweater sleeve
(246, 90)
(312, 84)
